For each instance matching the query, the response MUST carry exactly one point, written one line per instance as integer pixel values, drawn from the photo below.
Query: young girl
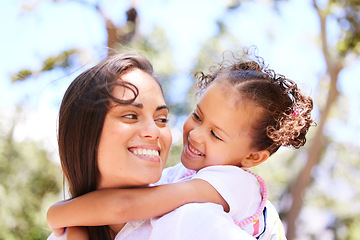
(245, 113)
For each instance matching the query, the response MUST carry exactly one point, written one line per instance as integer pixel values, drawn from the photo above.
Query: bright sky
(287, 40)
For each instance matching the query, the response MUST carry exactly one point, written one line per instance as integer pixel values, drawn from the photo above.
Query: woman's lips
(148, 154)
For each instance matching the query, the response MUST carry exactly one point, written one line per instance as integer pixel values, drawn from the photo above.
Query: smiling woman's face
(135, 139)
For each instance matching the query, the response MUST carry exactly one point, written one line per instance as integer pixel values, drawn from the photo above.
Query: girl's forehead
(223, 103)
(225, 92)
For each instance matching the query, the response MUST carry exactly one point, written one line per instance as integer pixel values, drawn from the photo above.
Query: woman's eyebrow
(141, 106)
(137, 105)
(162, 107)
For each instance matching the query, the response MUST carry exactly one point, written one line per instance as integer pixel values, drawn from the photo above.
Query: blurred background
(45, 44)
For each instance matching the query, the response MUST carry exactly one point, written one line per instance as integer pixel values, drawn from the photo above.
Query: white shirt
(239, 189)
(202, 220)
(194, 221)
(206, 221)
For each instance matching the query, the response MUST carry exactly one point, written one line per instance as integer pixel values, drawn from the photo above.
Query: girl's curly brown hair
(286, 111)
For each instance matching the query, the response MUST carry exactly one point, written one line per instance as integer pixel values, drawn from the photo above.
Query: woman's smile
(135, 139)
(148, 153)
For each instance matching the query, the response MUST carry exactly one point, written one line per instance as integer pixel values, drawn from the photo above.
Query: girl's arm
(114, 206)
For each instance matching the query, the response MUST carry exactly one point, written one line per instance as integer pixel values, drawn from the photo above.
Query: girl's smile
(218, 131)
(192, 151)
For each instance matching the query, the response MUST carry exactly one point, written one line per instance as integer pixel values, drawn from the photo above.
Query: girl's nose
(196, 135)
(150, 130)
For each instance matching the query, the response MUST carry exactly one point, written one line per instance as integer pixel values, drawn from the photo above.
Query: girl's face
(135, 139)
(218, 131)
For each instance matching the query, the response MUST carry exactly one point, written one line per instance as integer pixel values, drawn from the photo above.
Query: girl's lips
(192, 151)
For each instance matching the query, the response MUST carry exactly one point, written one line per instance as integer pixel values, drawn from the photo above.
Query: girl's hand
(58, 231)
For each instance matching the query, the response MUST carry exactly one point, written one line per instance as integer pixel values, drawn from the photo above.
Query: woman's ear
(255, 158)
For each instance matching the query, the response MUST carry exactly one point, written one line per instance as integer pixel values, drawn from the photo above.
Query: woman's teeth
(146, 152)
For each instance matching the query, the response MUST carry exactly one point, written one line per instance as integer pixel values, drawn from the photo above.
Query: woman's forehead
(143, 86)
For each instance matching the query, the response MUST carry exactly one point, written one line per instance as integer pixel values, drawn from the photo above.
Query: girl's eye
(196, 117)
(215, 136)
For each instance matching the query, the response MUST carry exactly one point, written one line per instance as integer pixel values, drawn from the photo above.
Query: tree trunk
(318, 143)
(314, 155)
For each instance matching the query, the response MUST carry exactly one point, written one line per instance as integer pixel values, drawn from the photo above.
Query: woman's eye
(130, 116)
(163, 120)
(213, 134)
(196, 117)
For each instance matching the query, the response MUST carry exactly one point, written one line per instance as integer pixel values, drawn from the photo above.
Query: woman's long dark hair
(81, 119)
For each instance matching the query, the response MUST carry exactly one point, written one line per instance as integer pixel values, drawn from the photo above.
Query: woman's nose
(150, 130)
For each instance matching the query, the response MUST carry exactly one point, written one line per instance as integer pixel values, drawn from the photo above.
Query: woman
(109, 114)
(113, 133)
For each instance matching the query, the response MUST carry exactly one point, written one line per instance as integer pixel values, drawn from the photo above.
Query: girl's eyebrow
(197, 106)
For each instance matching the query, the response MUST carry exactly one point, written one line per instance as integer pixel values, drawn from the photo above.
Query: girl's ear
(255, 158)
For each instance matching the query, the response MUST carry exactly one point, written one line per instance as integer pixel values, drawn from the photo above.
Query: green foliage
(29, 183)
(174, 155)
(59, 61)
(21, 75)
(349, 22)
